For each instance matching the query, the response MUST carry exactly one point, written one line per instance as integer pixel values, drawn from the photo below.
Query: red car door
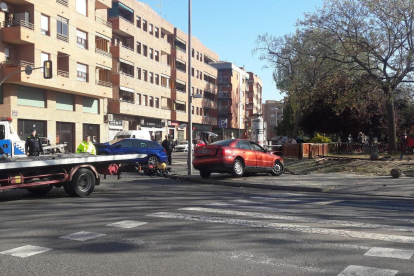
(249, 155)
(262, 157)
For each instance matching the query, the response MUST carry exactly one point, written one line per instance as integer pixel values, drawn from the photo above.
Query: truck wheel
(41, 190)
(82, 184)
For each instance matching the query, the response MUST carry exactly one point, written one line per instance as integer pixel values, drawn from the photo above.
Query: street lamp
(190, 133)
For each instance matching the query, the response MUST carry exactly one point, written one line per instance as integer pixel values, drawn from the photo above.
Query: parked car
(155, 152)
(182, 146)
(237, 157)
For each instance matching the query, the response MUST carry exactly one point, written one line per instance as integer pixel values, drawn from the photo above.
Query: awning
(103, 67)
(182, 61)
(126, 89)
(210, 75)
(179, 39)
(180, 81)
(126, 61)
(153, 129)
(165, 76)
(125, 7)
(179, 102)
(103, 36)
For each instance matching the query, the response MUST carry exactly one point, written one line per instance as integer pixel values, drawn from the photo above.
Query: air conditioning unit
(109, 118)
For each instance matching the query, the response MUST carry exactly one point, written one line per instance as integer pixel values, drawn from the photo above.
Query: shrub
(320, 139)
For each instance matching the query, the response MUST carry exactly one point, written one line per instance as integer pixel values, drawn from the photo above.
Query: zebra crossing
(280, 214)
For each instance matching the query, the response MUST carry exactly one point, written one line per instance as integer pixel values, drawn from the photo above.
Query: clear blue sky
(230, 27)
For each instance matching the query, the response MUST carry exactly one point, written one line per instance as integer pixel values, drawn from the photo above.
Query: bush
(320, 139)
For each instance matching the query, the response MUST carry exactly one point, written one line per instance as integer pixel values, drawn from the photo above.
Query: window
(157, 32)
(7, 53)
(144, 25)
(157, 58)
(201, 75)
(151, 55)
(192, 90)
(243, 144)
(157, 79)
(145, 75)
(197, 74)
(151, 101)
(90, 105)
(43, 58)
(192, 72)
(145, 100)
(82, 70)
(81, 6)
(62, 26)
(139, 22)
(198, 55)
(138, 47)
(139, 73)
(65, 101)
(157, 102)
(44, 24)
(197, 110)
(192, 52)
(201, 57)
(151, 77)
(145, 48)
(272, 115)
(256, 147)
(192, 109)
(151, 28)
(139, 99)
(31, 96)
(81, 39)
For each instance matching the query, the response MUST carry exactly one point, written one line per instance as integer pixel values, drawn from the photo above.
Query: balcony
(209, 104)
(103, 4)
(63, 74)
(62, 37)
(122, 26)
(121, 107)
(224, 109)
(102, 52)
(62, 2)
(211, 87)
(102, 21)
(17, 32)
(224, 95)
(209, 120)
(103, 83)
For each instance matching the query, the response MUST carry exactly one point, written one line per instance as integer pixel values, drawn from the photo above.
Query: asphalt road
(157, 226)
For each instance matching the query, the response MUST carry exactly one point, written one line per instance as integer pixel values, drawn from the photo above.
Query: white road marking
(287, 227)
(220, 204)
(390, 253)
(301, 219)
(355, 270)
(327, 202)
(127, 224)
(25, 251)
(82, 236)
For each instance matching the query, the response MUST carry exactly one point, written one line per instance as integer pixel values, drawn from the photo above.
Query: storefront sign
(173, 123)
(202, 127)
(146, 122)
(115, 123)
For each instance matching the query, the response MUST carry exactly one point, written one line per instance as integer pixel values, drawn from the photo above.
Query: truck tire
(41, 190)
(82, 184)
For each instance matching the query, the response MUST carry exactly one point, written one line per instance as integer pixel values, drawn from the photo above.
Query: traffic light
(47, 69)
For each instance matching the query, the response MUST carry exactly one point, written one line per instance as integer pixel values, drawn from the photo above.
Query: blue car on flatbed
(155, 152)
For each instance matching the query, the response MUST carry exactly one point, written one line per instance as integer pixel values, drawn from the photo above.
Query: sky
(230, 28)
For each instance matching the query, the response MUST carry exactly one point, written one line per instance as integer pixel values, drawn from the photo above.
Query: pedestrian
(86, 146)
(168, 145)
(33, 145)
(350, 139)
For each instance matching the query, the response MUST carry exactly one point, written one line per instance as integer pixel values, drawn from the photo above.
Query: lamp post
(276, 109)
(190, 98)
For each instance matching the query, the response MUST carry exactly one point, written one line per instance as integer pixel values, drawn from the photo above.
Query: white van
(139, 134)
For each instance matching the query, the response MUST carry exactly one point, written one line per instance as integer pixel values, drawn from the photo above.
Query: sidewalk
(334, 183)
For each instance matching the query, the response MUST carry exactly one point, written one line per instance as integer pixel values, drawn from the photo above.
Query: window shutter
(44, 23)
(81, 7)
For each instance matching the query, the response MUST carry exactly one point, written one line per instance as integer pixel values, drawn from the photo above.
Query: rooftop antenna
(160, 6)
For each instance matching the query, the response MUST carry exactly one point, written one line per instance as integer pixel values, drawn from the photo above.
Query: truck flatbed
(64, 159)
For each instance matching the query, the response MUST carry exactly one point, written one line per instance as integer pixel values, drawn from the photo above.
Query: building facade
(272, 115)
(232, 87)
(254, 98)
(73, 103)
(150, 74)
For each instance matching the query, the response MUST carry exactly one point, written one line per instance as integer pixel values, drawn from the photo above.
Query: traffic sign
(223, 123)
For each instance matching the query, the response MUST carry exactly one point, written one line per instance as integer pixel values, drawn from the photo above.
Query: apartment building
(75, 36)
(253, 98)
(273, 115)
(150, 74)
(232, 87)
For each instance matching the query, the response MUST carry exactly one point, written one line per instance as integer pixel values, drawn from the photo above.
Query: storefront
(65, 134)
(25, 127)
(114, 127)
(154, 126)
(92, 131)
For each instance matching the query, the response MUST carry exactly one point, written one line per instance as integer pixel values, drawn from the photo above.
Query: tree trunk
(392, 135)
(298, 114)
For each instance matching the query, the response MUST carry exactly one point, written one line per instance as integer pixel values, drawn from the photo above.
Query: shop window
(24, 128)
(92, 131)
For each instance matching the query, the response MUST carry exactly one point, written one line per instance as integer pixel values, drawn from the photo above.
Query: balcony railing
(128, 48)
(224, 109)
(63, 73)
(102, 21)
(62, 2)
(62, 37)
(125, 74)
(15, 63)
(126, 20)
(180, 49)
(13, 23)
(102, 52)
(180, 111)
(103, 83)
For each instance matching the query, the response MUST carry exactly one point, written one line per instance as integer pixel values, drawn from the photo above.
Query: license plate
(204, 151)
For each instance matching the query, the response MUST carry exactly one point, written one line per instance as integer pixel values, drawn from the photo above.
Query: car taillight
(220, 151)
(165, 151)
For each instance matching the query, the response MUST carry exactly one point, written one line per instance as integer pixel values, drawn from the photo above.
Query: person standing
(168, 145)
(33, 144)
(86, 146)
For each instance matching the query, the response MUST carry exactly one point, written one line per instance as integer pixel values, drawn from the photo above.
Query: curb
(249, 185)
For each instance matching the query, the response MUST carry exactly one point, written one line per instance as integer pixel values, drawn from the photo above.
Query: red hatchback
(237, 157)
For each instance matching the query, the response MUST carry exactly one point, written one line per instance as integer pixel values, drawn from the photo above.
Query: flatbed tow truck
(76, 173)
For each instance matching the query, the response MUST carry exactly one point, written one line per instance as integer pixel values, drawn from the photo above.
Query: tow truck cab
(9, 140)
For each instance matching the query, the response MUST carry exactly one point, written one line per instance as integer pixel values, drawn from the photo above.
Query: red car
(237, 157)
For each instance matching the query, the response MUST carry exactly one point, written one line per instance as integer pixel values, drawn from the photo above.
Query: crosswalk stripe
(25, 251)
(287, 227)
(301, 219)
(82, 236)
(355, 270)
(127, 224)
(390, 253)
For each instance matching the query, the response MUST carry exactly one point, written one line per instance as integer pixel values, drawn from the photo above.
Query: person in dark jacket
(33, 145)
(168, 145)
